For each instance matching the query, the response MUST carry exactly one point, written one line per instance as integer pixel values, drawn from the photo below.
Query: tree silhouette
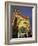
(15, 29)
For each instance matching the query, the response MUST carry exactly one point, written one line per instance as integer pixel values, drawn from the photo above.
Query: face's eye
(25, 23)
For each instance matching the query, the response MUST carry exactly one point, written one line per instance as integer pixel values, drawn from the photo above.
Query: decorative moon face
(23, 23)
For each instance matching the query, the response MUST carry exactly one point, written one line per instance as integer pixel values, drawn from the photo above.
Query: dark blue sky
(26, 11)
